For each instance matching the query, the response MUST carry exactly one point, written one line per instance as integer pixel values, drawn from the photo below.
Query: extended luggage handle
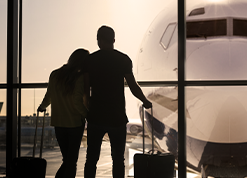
(143, 135)
(42, 135)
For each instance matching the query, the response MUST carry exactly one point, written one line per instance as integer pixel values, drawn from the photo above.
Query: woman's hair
(67, 75)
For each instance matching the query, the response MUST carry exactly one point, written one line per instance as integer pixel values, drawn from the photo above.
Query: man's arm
(136, 90)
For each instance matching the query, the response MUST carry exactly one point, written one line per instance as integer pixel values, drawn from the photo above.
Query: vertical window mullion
(12, 53)
(19, 77)
(181, 87)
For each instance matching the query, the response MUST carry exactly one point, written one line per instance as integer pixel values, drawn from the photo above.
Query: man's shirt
(107, 69)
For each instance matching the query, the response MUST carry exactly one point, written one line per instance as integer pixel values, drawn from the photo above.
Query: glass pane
(3, 41)
(216, 42)
(2, 131)
(164, 100)
(216, 130)
(153, 62)
(52, 30)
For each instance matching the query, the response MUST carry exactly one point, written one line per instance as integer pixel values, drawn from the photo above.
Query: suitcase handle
(143, 135)
(42, 135)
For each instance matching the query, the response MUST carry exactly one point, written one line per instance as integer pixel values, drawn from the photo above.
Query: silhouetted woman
(65, 93)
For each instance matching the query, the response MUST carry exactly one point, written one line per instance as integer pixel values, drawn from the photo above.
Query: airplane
(216, 116)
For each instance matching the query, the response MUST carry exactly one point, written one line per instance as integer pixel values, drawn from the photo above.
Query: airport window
(46, 47)
(204, 29)
(166, 38)
(239, 27)
(42, 52)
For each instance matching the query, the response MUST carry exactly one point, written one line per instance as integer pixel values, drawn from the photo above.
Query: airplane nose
(220, 114)
(232, 116)
(225, 60)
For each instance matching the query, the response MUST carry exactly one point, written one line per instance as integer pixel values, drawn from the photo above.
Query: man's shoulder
(120, 53)
(109, 54)
(122, 56)
(91, 58)
(93, 54)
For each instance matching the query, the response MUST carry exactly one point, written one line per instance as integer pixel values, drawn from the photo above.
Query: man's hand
(147, 104)
(41, 110)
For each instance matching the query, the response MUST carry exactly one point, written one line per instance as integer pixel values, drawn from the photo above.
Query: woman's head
(68, 74)
(77, 58)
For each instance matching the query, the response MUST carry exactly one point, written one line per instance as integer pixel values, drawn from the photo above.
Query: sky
(53, 29)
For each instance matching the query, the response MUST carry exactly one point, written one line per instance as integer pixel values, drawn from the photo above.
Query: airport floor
(104, 167)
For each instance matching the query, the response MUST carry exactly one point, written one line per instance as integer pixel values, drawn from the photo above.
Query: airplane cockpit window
(239, 27)
(198, 11)
(166, 38)
(209, 28)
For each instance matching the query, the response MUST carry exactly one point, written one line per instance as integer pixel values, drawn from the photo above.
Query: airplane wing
(164, 101)
(169, 103)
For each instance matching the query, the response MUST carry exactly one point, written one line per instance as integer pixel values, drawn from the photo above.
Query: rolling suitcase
(30, 167)
(150, 165)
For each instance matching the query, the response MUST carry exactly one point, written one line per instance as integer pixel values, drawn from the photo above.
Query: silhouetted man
(107, 68)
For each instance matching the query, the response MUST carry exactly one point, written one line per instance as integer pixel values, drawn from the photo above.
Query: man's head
(105, 37)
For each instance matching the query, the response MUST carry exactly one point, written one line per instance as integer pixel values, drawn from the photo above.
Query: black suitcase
(30, 167)
(150, 165)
